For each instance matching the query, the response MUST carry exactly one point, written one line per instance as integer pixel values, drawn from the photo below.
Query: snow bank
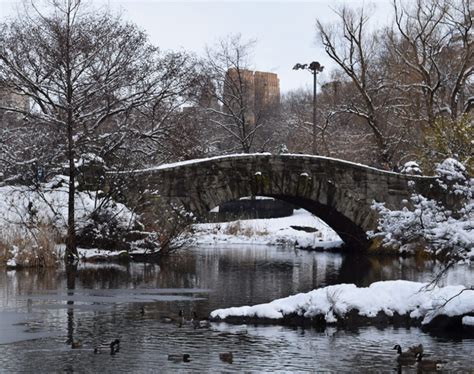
(468, 321)
(33, 219)
(390, 297)
(302, 229)
(20, 205)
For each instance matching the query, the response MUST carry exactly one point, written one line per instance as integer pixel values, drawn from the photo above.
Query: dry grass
(233, 228)
(33, 248)
(236, 228)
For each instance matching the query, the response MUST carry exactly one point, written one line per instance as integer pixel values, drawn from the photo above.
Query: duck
(114, 346)
(104, 346)
(199, 323)
(416, 349)
(142, 310)
(226, 357)
(404, 358)
(428, 365)
(185, 357)
(76, 344)
(181, 320)
(166, 320)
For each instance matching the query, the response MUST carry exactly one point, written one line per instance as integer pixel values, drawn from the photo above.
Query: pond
(44, 313)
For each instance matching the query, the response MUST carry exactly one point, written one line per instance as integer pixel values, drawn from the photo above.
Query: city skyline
(285, 31)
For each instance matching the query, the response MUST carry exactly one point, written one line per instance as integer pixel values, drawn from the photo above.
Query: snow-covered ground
(302, 229)
(20, 205)
(26, 211)
(389, 297)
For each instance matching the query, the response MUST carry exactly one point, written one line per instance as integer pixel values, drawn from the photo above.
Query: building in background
(267, 90)
(251, 92)
(11, 99)
(12, 104)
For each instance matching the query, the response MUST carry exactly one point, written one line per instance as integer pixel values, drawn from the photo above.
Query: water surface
(43, 312)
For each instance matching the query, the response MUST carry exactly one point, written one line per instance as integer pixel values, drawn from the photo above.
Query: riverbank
(33, 225)
(301, 230)
(399, 302)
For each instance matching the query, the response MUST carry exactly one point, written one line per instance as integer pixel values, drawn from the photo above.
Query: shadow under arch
(354, 237)
(350, 233)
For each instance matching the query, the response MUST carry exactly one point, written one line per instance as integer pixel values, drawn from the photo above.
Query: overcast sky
(284, 30)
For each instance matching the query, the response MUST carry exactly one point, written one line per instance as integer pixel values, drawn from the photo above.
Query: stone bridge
(339, 192)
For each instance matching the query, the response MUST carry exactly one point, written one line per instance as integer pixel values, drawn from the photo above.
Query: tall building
(11, 99)
(254, 92)
(267, 89)
(207, 96)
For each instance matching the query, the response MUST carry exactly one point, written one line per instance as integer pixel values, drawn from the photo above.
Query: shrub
(33, 248)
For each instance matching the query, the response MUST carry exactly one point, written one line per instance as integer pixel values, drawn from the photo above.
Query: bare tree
(85, 73)
(237, 113)
(432, 44)
(295, 128)
(355, 50)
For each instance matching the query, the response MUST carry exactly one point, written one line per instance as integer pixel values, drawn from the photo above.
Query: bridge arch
(341, 193)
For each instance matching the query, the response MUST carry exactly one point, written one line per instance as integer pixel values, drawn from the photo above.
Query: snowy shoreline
(301, 230)
(396, 302)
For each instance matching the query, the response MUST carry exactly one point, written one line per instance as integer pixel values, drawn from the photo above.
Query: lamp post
(315, 68)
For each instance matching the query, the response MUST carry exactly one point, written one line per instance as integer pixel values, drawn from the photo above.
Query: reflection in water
(98, 304)
(71, 274)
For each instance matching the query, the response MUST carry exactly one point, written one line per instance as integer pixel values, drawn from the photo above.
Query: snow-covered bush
(411, 168)
(451, 170)
(22, 207)
(33, 219)
(170, 222)
(282, 149)
(427, 224)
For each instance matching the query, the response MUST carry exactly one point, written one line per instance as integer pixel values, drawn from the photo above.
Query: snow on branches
(428, 224)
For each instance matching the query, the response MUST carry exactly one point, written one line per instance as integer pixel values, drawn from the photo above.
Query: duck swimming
(179, 357)
(199, 323)
(114, 346)
(76, 344)
(227, 357)
(404, 358)
(428, 365)
(416, 349)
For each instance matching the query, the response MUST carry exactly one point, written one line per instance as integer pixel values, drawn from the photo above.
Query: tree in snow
(86, 74)
(427, 224)
(432, 44)
(396, 87)
(355, 50)
(448, 138)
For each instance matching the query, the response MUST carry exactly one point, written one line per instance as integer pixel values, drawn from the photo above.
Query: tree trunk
(71, 247)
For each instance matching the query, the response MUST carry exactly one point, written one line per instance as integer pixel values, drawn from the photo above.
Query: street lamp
(315, 68)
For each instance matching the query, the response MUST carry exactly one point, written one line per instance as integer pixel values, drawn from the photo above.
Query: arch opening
(353, 236)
